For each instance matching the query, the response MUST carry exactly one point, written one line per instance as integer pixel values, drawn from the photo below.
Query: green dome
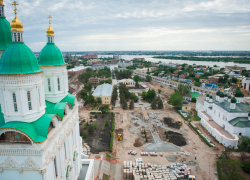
(51, 55)
(5, 34)
(221, 94)
(218, 93)
(239, 93)
(233, 100)
(207, 95)
(18, 59)
(211, 97)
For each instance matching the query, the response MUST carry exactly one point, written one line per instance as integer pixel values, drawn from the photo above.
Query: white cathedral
(226, 118)
(39, 122)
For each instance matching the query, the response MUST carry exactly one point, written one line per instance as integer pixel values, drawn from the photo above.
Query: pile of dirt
(136, 124)
(170, 122)
(139, 142)
(119, 131)
(177, 138)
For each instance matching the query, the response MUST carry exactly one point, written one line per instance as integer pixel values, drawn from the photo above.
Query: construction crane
(180, 122)
(119, 137)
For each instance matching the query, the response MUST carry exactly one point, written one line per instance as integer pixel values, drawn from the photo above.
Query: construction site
(154, 144)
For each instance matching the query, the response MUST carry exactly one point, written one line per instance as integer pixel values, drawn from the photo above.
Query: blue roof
(199, 73)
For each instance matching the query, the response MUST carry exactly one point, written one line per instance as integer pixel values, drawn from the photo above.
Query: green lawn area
(93, 107)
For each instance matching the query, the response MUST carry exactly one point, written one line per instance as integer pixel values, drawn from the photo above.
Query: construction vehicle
(180, 122)
(119, 137)
(161, 86)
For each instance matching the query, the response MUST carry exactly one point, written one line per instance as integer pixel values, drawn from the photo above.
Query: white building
(39, 122)
(246, 83)
(125, 63)
(113, 65)
(225, 118)
(127, 82)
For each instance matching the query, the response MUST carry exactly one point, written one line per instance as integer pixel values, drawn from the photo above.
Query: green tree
(231, 169)
(183, 89)
(131, 105)
(148, 78)
(159, 91)
(104, 109)
(84, 134)
(99, 100)
(193, 99)
(124, 105)
(90, 99)
(84, 94)
(154, 104)
(175, 100)
(244, 143)
(95, 125)
(91, 129)
(137, 79)
(106, 123)
(246, 166)
(160, 104)
(144, 95)
(197, 84)
(88, 86)
(95, 115)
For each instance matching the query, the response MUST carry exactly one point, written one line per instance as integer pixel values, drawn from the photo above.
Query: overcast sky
(106, 25)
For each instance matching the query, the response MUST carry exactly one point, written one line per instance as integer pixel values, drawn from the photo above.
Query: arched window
(1, 11)
(49, 87)
(15, 37)
(39, 97)
(48, 39)
(14, 102)
(58, 83)
(18, 37)
(29, 100)
(51, 126)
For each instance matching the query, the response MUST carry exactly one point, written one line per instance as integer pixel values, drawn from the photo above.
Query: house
(186, 107)
(191, 95)
(113, 65)
(96, 80)
(104, 91)
(77, 70)
(127, 82)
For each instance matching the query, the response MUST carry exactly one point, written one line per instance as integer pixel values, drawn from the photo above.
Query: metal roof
(103, 90)
(240, 122)
(126, 80)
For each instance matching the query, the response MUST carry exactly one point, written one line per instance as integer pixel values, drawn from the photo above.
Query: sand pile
(177, 138)
(139, 142)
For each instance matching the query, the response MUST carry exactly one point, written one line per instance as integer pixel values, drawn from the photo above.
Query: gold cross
(49, 19)
(15, 4)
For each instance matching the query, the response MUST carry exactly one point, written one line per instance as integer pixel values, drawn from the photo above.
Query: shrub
(245, 166)
(111, 142)
(107, 123)
(219, 170)
(91, 129)
(95, 125)
(193, 99)
(86, 125)
(84, 134)
(113, 125)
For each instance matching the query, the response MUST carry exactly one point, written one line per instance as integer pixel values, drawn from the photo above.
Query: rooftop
(126, 80)
(240, 107)
(240, 122)
(78, 68)
(103, 90)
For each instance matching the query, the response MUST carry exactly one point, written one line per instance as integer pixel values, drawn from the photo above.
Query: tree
(131, 105)
(244, 143)
(90, 99)
(198, 84)
(159, 91)
(148, 78)
(124, 105)
(88, 86)
(107, 123)
(137, 79)
(91, 129)
(84, 134)
(144, 95)
(104, 109)
(153, 104)
(84, 94)
(227, 153)
(99, 100)
(175, 100)
(246, 166)
(183, 89)
(231, 169)
(95, 125)
(160, 104)
(234, 80)
(193, 99)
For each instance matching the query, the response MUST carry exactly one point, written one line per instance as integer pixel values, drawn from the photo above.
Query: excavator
(180, 122)
(119, 137)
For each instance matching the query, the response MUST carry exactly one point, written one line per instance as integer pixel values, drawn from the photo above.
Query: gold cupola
(50, 31)
(16, 24)
(1, 3)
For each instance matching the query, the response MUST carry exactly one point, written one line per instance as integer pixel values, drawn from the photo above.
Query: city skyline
(131, 26)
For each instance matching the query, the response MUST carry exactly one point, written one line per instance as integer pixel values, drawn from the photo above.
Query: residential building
(246, 83)
(96, 80)
(113, 65)
(77, 70)
(104, 91)
(90, 56)
(125, 63)
(235, 67)
(127, 82)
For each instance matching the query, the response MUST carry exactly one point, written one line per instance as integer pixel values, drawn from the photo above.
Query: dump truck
(180, 122)
(119, 137)
(191, 177)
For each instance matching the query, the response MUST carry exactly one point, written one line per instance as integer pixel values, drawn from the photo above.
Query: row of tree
(125, 95)
(125, 74)
(84, 77)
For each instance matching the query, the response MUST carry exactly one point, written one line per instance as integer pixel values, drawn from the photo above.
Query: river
(210, 63)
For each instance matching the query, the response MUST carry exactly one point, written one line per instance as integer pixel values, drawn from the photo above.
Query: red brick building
(77, 70)
(96, 80)
(90, 56)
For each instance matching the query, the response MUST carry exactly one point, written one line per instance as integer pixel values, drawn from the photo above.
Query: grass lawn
(93, 107)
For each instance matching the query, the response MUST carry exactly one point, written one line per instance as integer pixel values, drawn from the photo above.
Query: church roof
(5, 34)
(240, 122)
(38, 130)
(18, 59)
(51, 55)
(240, 107)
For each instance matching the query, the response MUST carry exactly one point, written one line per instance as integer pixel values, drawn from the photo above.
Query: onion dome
(185, 102)
(211, 97)
(239, 93)
(18, 58)
(229, 97)
(51, 55)
(50, 31)
(233, 100)
(218, 93)
(207, 95)
(225, 95)
(248, 114)
(221, 94)
(5, 34)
